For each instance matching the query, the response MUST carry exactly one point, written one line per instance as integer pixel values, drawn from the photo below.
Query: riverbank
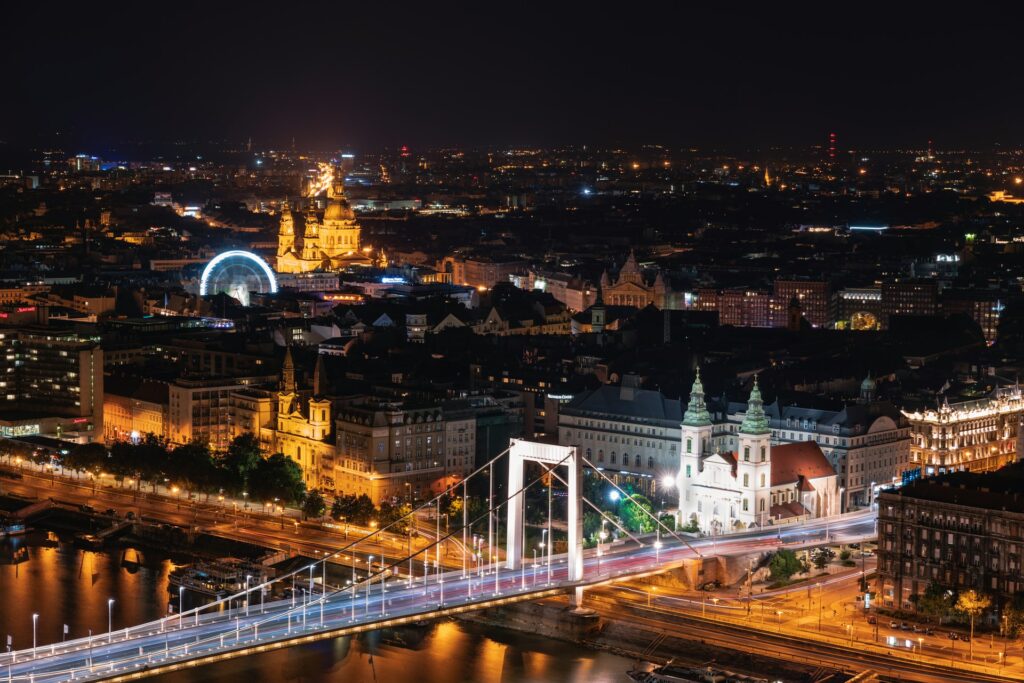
(556, 619)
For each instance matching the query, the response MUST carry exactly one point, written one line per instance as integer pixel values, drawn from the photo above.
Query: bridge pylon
(551, 455)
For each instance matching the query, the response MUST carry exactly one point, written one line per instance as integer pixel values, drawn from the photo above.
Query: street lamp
(110, 620)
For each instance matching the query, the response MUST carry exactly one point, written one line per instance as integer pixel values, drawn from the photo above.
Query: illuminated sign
(869, 228)
(947, 258)
(25, 309)
(19, 430)
(392, 280)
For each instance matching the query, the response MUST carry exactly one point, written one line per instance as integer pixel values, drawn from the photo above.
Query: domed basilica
(314, 240)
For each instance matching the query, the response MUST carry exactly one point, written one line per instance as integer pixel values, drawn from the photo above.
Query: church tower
(597, 313)
(286, 232)
(754, 461)
(311, 236)
(695, 443)
(319, 406)
(696, 430)
(286, 396)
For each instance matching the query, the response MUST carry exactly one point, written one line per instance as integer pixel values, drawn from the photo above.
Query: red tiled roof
(791, 460)
(787, 510)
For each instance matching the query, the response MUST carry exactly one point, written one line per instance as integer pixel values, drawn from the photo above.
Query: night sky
(515, 73)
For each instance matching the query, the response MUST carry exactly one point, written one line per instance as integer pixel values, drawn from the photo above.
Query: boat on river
(675, 673)
(217, 578)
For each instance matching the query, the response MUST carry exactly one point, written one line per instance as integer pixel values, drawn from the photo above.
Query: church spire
(696, 414)
(755, 421)
(319, 376)
(288, 372)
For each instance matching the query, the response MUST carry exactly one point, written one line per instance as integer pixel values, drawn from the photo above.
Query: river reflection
(67, 585)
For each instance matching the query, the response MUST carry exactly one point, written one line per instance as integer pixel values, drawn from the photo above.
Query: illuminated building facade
(631, 289)
(978, 436)
(813, 296)
(50, 383)
(389, 451)
(320, 241)
(629, 432)
(759, 483)
(305, 426)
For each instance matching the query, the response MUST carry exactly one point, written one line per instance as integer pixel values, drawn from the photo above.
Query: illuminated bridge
(247, 623)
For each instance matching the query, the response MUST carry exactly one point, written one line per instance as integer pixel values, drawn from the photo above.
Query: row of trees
(242, 468)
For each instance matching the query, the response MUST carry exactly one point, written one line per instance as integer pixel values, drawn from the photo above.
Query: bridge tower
(549, 454)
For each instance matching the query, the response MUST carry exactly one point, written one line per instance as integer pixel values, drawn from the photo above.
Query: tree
(353, 509)
(635, 513)
(241, 459)
(936, 601)
(784, 564)
(822, 556)
(277, 477)
(971, 603)
(1013, 613)
(393, 516)
(192, 465)
(89, 457)
(314, 505)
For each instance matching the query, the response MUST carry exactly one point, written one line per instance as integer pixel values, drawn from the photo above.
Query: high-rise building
(813, 296)
(909, 297)
(51, 383)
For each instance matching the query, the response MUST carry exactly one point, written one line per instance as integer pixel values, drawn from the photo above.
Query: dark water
(65, 585)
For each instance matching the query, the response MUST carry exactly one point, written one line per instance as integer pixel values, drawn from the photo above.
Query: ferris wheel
(238, 274)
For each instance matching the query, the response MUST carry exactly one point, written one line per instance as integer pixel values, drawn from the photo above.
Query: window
(689, 445)
(613, 461)
(746, 505)
(600, 456)
(762, 505)
(636, 461)
(650, 462)
(764, 453)
(762, 480)
(746, 454)
(746, 480)
(687, 471)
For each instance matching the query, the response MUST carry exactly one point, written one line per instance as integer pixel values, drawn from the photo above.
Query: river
(66, 585)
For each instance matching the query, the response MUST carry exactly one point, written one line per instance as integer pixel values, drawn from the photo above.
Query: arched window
(762, 480)
(613, 461)
(600, 456)
(746, 505)
(762, 505)
(588, 454)
(636, 461)
(650, 462)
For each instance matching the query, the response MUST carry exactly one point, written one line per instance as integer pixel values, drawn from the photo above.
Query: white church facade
(758, 483)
